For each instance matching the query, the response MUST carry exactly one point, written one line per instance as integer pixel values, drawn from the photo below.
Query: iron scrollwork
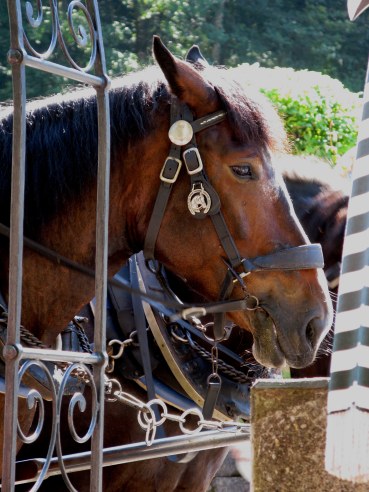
(81, 37)
(58, 391)
(34, 401)
(78, 399)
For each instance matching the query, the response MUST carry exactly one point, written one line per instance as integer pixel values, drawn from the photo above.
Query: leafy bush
(320, 114)
(316, 126)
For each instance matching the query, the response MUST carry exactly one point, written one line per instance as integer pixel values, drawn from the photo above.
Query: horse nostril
(310, 333)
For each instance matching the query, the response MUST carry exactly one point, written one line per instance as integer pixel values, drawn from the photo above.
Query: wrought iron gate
(21, 55)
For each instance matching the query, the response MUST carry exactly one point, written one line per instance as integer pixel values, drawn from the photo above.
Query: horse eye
(242, 171)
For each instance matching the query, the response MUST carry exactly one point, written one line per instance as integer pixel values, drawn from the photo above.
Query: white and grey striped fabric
(347, 447)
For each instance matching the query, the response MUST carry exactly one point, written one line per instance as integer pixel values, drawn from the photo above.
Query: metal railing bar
(71, 73)
(101, 259)
(61, 356)
(14, 352)
(129, 453)
(16, 243)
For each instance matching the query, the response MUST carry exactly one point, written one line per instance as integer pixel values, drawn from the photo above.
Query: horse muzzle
(291, 339)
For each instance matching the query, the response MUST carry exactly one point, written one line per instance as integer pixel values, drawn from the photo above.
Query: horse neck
(53, 294)
(134, 185)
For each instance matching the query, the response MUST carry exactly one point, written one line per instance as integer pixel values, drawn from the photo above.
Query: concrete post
(288, 438)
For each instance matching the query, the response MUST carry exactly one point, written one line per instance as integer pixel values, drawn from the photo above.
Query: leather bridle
(203, 201)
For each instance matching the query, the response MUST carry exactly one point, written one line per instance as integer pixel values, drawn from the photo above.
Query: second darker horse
(320, 198)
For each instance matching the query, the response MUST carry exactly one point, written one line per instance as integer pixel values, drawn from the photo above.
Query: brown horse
(321, 204)
(237, 150)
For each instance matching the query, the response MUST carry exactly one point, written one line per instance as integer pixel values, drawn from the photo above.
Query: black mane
(61, 159)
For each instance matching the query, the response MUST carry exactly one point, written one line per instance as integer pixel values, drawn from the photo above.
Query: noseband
(203, 201)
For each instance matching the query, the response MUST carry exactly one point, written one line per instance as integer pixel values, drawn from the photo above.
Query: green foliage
(319, 113)
(312, 34)
(315, 125)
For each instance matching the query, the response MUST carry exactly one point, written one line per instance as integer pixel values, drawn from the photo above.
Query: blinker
(181, 132)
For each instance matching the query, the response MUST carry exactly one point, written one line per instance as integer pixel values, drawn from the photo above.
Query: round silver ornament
(181, 132)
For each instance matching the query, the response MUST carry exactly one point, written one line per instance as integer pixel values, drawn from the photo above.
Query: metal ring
(177, 337)
(256, 305)
(225, 336)
(150, 425)
(121, 348)
(146, 417)
(114, 398)
(161, 404)
(191, 411)
(214, 376)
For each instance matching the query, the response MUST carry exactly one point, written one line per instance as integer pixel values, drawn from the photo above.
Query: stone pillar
(288, 438)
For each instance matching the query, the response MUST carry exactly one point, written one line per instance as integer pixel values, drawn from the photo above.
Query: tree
(312, 34)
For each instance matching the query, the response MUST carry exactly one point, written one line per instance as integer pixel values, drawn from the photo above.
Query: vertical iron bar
(102, 218)
(102, 222)
(11, 352)
(102, 212)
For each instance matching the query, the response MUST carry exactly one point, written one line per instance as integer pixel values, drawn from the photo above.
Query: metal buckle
(193, 311)
(200, 167)
(174, 179)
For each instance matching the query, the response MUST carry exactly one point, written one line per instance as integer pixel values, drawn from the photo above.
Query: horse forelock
(253, 119)
(62, 143)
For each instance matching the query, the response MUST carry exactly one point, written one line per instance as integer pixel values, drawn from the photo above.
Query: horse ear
(184, 81)
(195, 56)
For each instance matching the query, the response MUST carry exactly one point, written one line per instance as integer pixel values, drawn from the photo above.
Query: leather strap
(226, 239)
(168, 177)
(140, 322)
(208, 120)
(305, 257)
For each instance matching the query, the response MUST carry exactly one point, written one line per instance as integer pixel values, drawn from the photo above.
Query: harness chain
(148, 419)
(81, 334)
(26, 336)
(149, 422)
(30, 340)
(227, 369)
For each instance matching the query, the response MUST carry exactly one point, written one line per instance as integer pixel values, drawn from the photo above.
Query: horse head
(241, 183)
